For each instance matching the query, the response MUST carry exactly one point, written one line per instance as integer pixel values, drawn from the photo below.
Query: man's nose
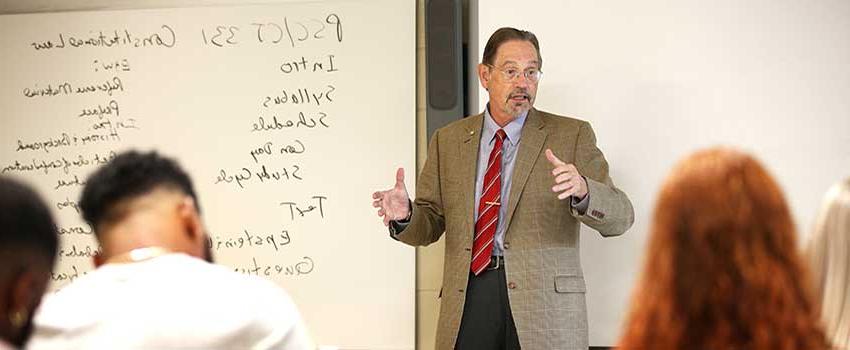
(522, 81)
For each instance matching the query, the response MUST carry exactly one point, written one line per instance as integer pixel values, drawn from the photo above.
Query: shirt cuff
(397, 226)
(580, 206)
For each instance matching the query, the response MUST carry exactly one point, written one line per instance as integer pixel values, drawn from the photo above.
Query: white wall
(660, 79)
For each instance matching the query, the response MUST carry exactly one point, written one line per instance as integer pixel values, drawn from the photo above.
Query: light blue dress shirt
(509, 147)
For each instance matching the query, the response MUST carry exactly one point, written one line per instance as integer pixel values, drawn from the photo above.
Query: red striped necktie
(488, 208)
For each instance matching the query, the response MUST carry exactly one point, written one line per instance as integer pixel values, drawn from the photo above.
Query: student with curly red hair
(722, 270)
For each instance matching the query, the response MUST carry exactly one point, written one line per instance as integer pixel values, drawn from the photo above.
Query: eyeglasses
(512, 73)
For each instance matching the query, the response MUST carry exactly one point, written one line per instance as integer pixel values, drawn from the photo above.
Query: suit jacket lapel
(530, 145)
(468, 150)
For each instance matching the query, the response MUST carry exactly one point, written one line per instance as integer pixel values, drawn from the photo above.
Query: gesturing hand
(393, 204)
(568, 181)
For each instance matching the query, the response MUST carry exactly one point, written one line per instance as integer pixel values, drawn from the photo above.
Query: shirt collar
(513, 130)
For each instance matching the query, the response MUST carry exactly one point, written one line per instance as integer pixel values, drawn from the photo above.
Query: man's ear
(191, 220)
(484, 76)
(25, 291)
(98, 259)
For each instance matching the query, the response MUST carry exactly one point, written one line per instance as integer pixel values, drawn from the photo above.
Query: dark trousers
(487, 322)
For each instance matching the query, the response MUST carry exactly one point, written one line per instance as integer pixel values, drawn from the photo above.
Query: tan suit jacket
(545, 282)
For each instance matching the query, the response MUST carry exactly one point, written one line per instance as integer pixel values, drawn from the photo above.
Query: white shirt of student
(172, 301)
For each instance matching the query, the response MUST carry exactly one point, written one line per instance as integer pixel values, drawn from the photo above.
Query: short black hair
(129, 175)
(26, 224)
(505, 34)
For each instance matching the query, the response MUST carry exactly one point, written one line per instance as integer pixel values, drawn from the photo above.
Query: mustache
(519, 93)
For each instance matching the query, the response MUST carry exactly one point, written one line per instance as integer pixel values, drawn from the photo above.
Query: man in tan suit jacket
(531, 293)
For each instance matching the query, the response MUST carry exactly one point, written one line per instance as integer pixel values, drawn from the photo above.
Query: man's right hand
(393, 204)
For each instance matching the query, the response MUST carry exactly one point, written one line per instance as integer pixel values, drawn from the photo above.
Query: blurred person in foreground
(28, 243)
(155, 286)
(722, 270)
(828, 252)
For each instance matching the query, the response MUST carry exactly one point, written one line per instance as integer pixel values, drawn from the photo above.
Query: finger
(565, 190)
(399, 178)
(566, 186)
(564, 177)
(377, 195)
(376, 204)
(566, 193)
(566, 168)
(382, 212)
(552, 159)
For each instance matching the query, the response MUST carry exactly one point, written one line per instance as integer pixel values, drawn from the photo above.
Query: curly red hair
(722, 270)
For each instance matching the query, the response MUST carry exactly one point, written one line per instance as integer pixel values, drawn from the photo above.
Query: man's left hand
(568, 181)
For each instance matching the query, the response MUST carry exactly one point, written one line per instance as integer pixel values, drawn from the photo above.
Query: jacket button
(511, 285)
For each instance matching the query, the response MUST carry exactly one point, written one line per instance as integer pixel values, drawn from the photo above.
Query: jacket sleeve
(427, 223)
(610, 211)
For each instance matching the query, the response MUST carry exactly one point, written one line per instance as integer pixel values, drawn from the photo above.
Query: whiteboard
(661, 79)
(286, 116)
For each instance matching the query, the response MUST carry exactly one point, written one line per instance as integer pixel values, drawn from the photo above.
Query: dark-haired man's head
(510, 71)
(143, 200)
(28, 243)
